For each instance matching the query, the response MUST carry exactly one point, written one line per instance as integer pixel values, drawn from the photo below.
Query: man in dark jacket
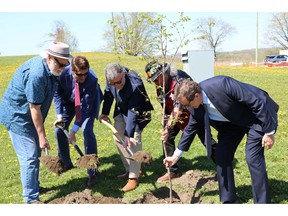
(176, 116)
(234, 109)
(131, 115)
(90, 96)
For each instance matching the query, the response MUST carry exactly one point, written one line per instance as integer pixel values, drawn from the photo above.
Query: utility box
(199, 64)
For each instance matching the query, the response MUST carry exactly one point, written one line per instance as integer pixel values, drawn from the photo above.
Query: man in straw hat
(24, 107)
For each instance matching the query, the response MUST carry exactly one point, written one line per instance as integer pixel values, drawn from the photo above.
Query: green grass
(270, 79)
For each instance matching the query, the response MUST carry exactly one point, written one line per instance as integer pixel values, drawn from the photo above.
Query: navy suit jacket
(90, 94)
(132, 102)
(241, 103)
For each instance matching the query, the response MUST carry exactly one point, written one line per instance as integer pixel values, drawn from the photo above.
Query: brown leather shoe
(165, 177)
(131, 184)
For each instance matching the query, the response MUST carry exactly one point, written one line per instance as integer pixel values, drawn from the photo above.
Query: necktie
(77, 102)
(207, 141)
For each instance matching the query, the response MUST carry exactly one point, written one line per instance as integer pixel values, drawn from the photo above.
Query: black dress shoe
(92, 180)
(66, 168)
(230, 202)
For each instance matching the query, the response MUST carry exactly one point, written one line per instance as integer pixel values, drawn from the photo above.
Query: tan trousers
(131, 166)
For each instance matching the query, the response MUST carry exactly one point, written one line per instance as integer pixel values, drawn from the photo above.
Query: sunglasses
(81, 75)
(118, 82)
(60, 64)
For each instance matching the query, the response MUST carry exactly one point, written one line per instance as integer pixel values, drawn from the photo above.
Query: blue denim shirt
(31, 83)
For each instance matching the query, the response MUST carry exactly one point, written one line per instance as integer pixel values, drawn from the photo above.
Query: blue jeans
(28, 152)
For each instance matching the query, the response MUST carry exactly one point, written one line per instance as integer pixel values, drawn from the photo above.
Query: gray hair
(112, 70)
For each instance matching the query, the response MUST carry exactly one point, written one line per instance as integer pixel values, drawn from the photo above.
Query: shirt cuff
(59, 116)
(270, 133)
(178, 152)
(75, 128)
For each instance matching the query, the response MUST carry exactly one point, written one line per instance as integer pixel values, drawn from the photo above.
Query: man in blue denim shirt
(24, 107)
(90, 100)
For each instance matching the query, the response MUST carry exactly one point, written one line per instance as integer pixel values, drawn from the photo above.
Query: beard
(54, 73)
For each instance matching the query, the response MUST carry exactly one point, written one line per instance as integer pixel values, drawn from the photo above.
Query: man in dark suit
(131, 114)
(234, 109)
(90, 97)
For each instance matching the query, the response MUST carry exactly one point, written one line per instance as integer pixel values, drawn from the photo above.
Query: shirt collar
(205, 98)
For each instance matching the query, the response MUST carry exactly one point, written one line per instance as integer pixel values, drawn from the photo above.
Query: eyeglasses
(81, 75)
(186, 105)
(60, 64)
(117, 82)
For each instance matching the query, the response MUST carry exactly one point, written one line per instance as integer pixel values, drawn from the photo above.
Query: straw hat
(59, 50)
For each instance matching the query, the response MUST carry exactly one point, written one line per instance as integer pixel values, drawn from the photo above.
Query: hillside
(246, 57)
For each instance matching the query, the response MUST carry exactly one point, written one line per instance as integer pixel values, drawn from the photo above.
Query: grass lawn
(273, 80)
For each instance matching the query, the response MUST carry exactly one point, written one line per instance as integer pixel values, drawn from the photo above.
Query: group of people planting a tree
(233, 108)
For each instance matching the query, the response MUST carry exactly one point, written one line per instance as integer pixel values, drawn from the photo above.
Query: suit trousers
(229, 137)
(90, 142)
(131, 166)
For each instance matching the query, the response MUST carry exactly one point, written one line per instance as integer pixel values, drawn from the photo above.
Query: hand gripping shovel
(85, 161)
(139, 156)
(54, 164)
(68, 137)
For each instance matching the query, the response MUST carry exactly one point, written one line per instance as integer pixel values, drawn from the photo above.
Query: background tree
(170, 36)
(61, 33)
(130, 33)
(213, 32)
(277, 31)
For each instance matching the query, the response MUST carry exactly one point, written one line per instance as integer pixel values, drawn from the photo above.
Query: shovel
(139, 156)
(76, 147)
(85, 161)
(54, 164)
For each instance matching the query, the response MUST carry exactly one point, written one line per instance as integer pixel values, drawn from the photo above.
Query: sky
(24, 28)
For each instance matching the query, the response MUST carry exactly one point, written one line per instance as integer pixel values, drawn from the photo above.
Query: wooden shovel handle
(109, 125)
(115, 132)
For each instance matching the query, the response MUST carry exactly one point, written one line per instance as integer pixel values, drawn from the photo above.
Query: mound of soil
(184, 190)
(85, 197)
(89, 161)
(53, 163)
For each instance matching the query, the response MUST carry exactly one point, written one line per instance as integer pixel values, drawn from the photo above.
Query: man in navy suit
(90, 100)
(234, 109)
(131, 114)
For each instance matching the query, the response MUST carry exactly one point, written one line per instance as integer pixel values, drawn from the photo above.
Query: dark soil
(90, 161)
(53, 163)
(184, 190)
(141, 157)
